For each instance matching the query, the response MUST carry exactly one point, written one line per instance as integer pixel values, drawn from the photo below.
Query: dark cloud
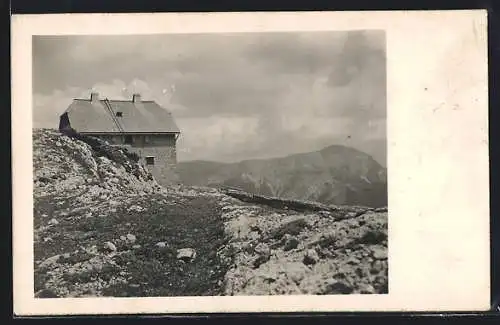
(292, 53)
(55, 67)
(227, 92)
(329, 86)
(358, 57)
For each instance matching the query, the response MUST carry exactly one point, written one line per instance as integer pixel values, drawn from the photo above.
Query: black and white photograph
(279, 162)
(210, 164)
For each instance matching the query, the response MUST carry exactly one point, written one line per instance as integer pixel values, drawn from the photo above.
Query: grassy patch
(151, 270)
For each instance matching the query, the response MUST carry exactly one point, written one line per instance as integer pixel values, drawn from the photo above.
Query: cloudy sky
(234, 96)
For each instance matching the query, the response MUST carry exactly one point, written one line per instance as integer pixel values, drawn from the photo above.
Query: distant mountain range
(334, 175)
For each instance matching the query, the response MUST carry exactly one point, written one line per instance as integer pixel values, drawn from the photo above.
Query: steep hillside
(334, 175)
(104, 227)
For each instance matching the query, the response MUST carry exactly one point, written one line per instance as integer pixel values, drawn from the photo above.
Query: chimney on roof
(94, 97)
(136, 98)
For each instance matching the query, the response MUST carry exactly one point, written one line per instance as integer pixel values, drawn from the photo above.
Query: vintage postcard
(250, 162)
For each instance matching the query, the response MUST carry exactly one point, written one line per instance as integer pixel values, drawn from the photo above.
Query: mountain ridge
(336, 174)
(380, 162)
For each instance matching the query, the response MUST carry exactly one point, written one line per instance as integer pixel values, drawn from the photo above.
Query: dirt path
(194, 224)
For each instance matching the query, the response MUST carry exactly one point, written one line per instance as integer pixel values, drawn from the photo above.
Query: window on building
(150, 160)
(119, 114)
(128, 139)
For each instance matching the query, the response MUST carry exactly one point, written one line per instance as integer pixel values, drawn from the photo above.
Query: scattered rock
(338, 287)
(293, 227)
(50, 261)
(53, 221)
(262, 249)
(43, 179)
(296, 271)
(310, 257)
(161, 244)
(131, 238)
(255, 228)
(291, 242)
(186, 254)
(92, 250)
(110, 246)
(324, 214)
(136, 246)
(263, 254)
(353, 261)
(379, 253)
(351, 215)
(377, 266)
(259, 261)
(135, 208)
(366, 289)
(46, 293)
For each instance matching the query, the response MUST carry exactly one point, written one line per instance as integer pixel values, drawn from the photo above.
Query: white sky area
(234, 96)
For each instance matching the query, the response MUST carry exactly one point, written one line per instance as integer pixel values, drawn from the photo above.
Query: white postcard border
(438, 167)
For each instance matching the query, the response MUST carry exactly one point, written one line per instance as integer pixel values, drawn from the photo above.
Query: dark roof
(145, 116)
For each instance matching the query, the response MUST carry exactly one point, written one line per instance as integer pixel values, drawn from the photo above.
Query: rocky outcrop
(64, 164)
(289, 252)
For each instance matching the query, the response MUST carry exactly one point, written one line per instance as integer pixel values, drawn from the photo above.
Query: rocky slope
(335, 175)
(104, 227)
(330, 250)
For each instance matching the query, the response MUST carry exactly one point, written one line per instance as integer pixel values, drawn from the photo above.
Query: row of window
(129, 139)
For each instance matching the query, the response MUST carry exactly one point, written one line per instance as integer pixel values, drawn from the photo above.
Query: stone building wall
(157, 151)
(163, 168)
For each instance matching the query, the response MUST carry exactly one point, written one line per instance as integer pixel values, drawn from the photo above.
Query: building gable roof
(99, 116)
